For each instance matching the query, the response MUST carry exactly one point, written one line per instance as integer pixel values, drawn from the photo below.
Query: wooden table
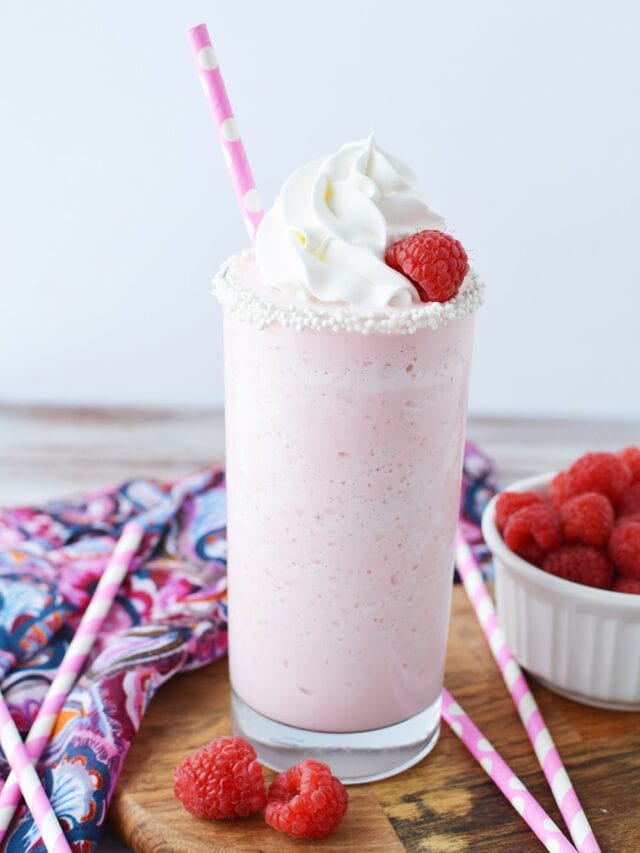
(444, 804)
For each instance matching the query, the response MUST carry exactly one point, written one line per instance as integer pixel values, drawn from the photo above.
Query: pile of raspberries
(587, 530)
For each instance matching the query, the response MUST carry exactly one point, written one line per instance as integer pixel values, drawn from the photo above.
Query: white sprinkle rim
(263, 310)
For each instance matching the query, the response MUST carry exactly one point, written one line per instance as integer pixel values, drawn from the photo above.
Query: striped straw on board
(226, 126)
(72, 665)
(30, 784)
(506, 780)
(532, 720)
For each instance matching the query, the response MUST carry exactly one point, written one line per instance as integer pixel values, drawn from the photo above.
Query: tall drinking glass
(344, 459)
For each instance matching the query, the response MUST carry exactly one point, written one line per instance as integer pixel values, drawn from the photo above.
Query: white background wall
(520, 119)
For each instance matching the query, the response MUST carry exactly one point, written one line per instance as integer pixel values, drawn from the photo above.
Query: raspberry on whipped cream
(435, 262)
(325, 237)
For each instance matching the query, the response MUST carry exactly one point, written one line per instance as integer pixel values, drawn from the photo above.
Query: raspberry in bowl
(567, 561)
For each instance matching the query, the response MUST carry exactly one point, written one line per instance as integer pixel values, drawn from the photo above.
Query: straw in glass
(227, 127)
(532, 720)
(66, 676)
(499, 771)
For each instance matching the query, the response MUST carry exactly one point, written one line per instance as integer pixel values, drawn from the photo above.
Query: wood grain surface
(445, 803)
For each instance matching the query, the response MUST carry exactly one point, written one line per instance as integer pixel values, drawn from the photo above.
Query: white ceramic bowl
(580, 641)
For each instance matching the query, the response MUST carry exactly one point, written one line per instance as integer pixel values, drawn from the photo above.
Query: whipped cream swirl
(325, 236)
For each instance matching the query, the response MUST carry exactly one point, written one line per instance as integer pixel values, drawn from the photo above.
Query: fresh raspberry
(537, 524)
(532, 553)
(560, 489)
(600, 472)
(587, 519)
(306, 801)
(435, 262)
(623, 584)
(631, 457)
(510, 502)
(624, 547)
(629, 503)
(223, 779)
(580, 564)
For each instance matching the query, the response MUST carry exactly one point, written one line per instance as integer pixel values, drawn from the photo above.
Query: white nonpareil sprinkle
(251, 306)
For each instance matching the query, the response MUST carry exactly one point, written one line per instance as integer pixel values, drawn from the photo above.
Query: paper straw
(29, 781)
(227, 127)
(532, 720)
(499, 771)
(72, 664)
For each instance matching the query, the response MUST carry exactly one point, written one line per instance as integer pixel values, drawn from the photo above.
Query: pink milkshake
(345, 416)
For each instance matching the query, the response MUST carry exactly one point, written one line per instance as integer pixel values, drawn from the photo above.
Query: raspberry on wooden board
(221, 780)
(306, 801)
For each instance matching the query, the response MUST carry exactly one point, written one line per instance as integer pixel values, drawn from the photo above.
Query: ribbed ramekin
(579, 641)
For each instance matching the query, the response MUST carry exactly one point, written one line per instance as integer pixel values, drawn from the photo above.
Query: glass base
(354, 757)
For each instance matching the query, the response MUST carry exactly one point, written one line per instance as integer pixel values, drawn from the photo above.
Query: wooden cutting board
(446, 803)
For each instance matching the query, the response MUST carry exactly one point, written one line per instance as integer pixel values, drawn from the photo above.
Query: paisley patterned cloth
(170, 616)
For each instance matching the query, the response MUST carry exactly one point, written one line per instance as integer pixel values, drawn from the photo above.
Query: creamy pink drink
(345, 426)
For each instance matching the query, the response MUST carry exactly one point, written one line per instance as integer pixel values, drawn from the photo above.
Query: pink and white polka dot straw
(227, 127)
(497, 768)
(532, 720)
